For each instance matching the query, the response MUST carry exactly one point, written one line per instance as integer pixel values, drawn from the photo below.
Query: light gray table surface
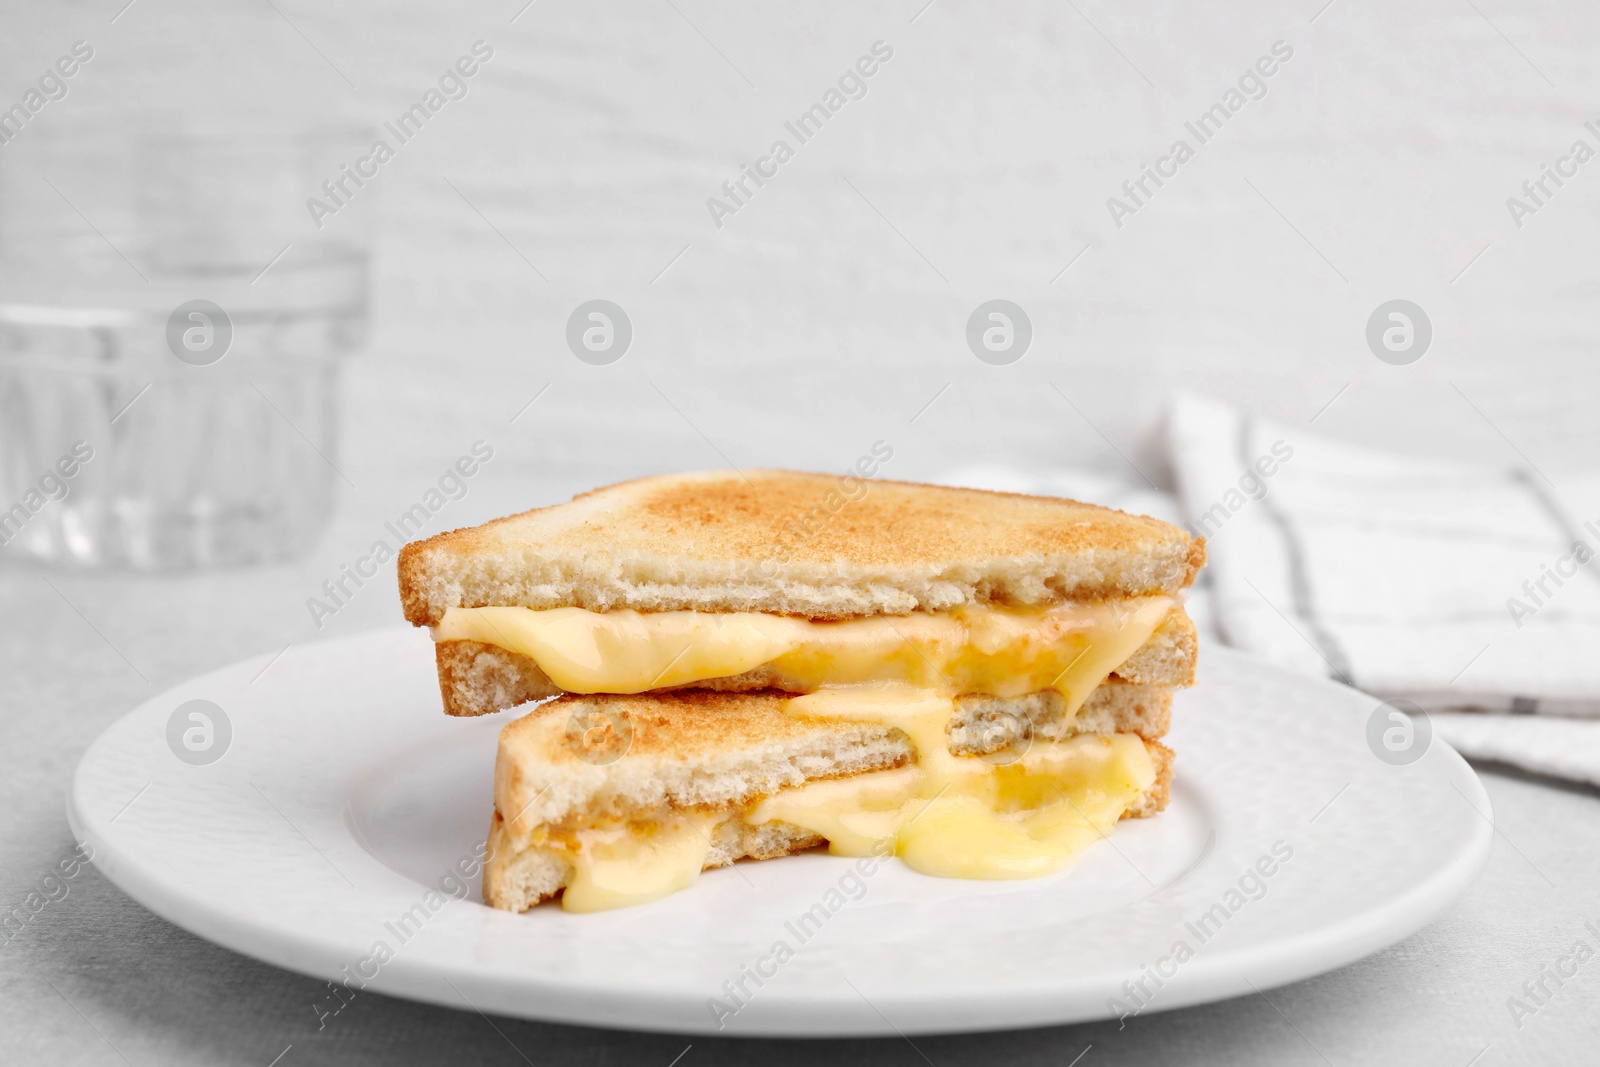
(828, 313)
(96, 978)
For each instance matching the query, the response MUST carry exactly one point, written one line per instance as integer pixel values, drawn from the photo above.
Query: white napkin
(1461, 589)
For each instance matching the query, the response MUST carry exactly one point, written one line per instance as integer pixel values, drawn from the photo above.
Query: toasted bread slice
(719, 753)
(478, 679)
(809, 545)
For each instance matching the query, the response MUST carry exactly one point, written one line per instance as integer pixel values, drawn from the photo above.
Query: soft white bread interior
(809, 545)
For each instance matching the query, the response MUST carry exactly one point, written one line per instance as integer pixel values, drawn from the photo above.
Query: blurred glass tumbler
(152, 346)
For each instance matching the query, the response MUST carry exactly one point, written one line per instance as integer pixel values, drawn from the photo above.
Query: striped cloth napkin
(1471, 593)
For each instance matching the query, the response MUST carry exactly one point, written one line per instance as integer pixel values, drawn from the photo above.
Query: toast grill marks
(699, 542)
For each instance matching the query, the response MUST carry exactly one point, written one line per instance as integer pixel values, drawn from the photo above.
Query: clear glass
(128, 435)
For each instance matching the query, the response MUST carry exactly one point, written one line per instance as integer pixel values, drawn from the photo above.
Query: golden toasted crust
(684, 725)
(1155, 799)
(479, 679)
(810, 545)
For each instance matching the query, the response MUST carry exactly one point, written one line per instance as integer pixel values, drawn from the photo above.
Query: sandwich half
(773, 579)
(617, 800)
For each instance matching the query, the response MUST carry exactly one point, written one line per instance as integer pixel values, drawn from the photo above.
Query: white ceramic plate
(344, 794)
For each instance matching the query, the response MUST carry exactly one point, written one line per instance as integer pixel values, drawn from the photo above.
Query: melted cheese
(997, 651)
(958, 816)
(636, 863)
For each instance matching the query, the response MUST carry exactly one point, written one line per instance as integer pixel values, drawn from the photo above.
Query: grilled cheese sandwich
(972, 681)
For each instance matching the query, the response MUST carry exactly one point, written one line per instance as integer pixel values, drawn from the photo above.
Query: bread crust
(788, 543)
